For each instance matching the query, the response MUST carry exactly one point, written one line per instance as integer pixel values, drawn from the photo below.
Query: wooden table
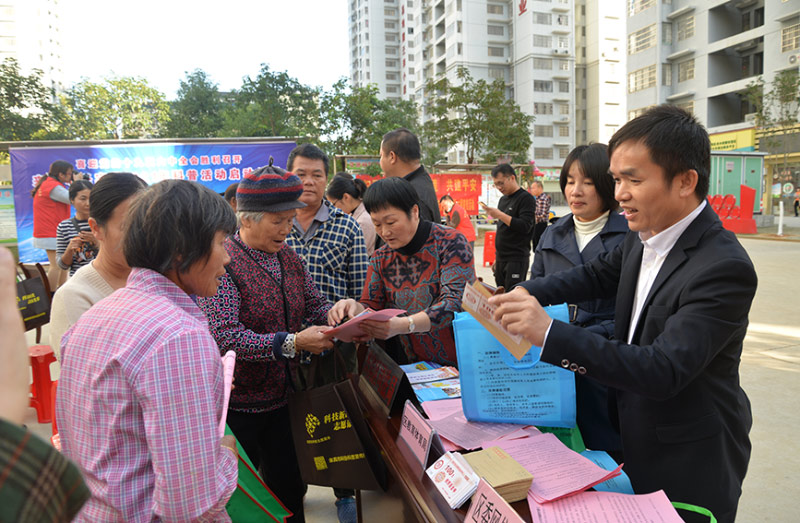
(407, 479)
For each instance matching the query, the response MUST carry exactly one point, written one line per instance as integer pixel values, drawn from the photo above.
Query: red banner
(465, 189)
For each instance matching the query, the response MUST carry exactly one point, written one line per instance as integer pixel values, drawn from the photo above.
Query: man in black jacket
(684, 286)
(400, 157)
(515, 214)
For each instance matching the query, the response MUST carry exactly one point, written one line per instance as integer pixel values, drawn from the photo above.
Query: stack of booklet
(453, 478)
(431, 381)
(502, 472)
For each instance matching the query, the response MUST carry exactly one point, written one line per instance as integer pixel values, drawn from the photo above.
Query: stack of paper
(470, 434)
(453, 478)
(502, 472)
(431, 381)
(557, 470)
(606, 507)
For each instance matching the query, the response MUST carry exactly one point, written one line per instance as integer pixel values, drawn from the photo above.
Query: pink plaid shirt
(139, 403)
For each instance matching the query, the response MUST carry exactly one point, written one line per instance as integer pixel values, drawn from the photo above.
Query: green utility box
(731, 169)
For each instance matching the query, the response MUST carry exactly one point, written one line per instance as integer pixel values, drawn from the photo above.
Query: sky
(230, 39)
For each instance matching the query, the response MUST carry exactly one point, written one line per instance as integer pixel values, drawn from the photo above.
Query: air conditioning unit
(794, 59)
(555, 51)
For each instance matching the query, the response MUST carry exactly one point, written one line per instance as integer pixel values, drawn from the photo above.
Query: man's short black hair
(676, 141)
(593, 159)
(230, 192)
(310, 151)
(391, 192)
(446, 197)
(503, 168)
(403, 143)
(172, 225)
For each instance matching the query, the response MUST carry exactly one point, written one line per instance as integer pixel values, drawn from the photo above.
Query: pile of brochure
(502, 472)
(453, 478)
(431, 381)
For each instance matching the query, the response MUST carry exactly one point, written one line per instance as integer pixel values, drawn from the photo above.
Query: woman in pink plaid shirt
(141, 389)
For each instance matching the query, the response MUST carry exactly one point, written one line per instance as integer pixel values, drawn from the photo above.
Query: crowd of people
(167, 278)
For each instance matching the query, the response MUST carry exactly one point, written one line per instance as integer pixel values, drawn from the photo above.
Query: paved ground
(770, 374)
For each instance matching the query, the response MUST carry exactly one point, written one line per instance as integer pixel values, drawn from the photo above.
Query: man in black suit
(684, 286)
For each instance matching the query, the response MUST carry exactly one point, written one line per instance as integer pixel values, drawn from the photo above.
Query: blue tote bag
(497, 388)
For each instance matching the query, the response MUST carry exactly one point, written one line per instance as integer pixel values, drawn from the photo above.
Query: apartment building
(702, 55)
(562, 61)
(30, 32)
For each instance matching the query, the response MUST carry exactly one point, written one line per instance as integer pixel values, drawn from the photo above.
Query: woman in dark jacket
(592, 228)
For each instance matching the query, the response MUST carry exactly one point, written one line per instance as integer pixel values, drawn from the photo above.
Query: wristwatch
(410, 324)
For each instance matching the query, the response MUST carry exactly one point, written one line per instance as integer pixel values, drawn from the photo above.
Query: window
(563, 65)
(391, 76)
(391, 89)
(685, 27)
(391, 50)
(542, 108)
(790, 38)
(545, 131)
(494, 9)
(642, 39)
(563, 42)
(563, 131)
(389, 12)
(544, 64)
(637, 6)
(391, 63)
(496, 51)
(496, 30)
(563, 87)
(542, 153)
(563, 152)
(643, 78)
(637, 112)
(687, 106)
(562, 20)
(666, 74)
(542, 18)
(686, 70)
(666, 33)
(389, 25)
(391, 37)
(563, 109)
(497, 72)
(543, 86)
(746, 22)
(542, 41)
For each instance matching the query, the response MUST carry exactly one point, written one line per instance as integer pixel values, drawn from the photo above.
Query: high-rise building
(703, 55)
(531, 45)
(30, 32)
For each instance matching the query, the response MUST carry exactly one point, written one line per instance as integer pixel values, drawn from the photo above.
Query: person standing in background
(400, 158)
(51, 207)
(543, 202)
(458, 218)
(514, 215)
(75, 243)
(346, 193)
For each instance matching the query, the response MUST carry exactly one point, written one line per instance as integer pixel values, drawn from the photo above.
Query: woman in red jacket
(51, 207)
(458, 218)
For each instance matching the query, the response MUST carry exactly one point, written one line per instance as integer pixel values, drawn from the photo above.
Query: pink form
(606, 507)
(228, 363)
(557, 470)
(346, 331)
(470, 434)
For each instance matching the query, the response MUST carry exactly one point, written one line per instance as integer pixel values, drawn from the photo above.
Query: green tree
(117, 108)
(25, 103)
(777, 111)
(197, 111)
(273, 104)
(354, 120)
(478, 115)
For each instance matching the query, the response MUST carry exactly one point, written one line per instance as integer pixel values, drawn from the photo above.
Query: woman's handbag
(33, 302)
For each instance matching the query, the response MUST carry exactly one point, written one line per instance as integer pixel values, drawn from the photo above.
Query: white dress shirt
(656, 249)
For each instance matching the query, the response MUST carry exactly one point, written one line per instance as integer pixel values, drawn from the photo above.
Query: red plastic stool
(488, 249)
(41, 358)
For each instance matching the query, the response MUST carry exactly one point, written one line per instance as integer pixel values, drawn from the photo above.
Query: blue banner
(215, 165)
(497, 388)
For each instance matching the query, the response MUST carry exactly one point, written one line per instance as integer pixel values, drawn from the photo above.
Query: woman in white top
(109, 202)
(591, 230)
(347, 193)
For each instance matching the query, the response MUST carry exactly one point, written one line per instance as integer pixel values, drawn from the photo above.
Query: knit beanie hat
(269, 189)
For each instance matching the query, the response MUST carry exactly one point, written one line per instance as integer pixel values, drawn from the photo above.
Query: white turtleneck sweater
(585, 231)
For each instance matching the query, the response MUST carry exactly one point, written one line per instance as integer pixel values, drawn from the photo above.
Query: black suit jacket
(683, 417)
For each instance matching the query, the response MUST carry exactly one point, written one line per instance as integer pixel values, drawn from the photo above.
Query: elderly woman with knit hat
(263, 300)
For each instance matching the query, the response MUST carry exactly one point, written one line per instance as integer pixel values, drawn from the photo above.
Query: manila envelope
(475, 301)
